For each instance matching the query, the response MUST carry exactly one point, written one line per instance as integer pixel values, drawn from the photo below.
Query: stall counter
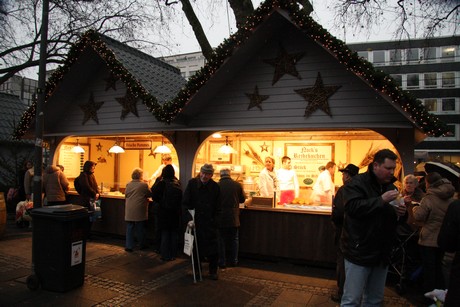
(298, 235)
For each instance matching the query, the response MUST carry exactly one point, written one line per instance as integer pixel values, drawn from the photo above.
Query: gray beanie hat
(207, 168)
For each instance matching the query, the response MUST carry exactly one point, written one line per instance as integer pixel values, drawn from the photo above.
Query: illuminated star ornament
(264, 147)
(256, 99)
(90, 109)
(285, 64)
(129, 104)
(99, 147)
(317, 96)
(111, 82)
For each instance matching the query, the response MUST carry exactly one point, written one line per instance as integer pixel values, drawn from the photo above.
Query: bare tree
(146, 24)
(141, 23)
(411, 18)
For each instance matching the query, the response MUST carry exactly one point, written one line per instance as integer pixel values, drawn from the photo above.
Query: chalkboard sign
(72, 162)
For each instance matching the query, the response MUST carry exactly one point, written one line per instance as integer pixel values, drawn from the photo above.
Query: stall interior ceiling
(304, 135)
(121, 138)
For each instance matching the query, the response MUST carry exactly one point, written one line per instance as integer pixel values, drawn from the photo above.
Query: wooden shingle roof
(12, 109)
(151, 80)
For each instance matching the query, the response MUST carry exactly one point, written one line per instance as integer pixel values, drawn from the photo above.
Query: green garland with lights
(167, 112)
(378, 79)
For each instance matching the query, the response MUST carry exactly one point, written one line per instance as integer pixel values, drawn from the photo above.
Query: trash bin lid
(62, 210)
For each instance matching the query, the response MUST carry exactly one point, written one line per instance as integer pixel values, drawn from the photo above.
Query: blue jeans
(364, 286)
(228, 246)
(139, 228)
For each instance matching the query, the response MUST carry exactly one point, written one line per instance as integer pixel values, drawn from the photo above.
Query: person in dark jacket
(167, 192)
(203, 195)
(369, 230)
(231, 195)
(88, 187)
(449, 241)
(338, 210)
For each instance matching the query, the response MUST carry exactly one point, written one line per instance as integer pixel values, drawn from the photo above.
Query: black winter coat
(168, 193)
(205, 199)
(369, 228)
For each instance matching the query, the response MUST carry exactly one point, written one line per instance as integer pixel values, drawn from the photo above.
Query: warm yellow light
(78, 148)
(116, 148)
(227, 149)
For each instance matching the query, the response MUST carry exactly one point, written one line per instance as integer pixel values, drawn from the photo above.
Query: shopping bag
(188, 241)
(95, 210)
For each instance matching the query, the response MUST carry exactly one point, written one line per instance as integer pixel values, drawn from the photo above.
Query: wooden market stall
(282, 85)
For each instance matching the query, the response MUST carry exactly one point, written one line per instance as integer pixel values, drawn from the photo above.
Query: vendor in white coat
(324, 187)
(288, 182)
(268, 183)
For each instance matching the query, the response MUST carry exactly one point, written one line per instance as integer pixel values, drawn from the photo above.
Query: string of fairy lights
(167, 112)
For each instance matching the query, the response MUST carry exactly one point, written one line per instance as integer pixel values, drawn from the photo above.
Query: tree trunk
(241, 9)
(197, 29)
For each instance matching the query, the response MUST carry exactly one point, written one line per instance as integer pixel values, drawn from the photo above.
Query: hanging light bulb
(116, 148)
(162, 149)
(227, 149)
(78, 148)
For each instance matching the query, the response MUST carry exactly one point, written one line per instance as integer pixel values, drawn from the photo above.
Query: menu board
(306, 158)
(72, 162)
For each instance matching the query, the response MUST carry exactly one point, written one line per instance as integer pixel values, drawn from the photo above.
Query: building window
(431, 104)
(413, 81)
(413, 55)
(448, 53)
(430, 80)
(378, 57)
(429, 54)
(395, 56)
(448, 79)
(364, 55)
(448, 104)
(397, 79)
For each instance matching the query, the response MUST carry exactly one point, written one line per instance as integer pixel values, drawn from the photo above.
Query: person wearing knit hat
(202, 194)
(207, 169)
(338, 211)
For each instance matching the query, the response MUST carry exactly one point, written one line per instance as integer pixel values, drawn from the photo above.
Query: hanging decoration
(264, 147)
(129, 104)
(256, 99)
(317, 96)
(90, 109)
(168, 111)
(99, 147)
(111, 82)
(285, 63)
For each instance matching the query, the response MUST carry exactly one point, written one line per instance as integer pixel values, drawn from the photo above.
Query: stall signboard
(307, 158)
(72, 162)
(136, 145)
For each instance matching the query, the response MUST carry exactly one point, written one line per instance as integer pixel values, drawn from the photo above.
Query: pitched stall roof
(379, 80)
(148, 78)
(12, 108)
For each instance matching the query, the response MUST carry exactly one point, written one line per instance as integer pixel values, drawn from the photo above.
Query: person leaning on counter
(86, 185)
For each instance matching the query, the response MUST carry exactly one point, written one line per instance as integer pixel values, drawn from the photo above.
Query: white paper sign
(77, 253)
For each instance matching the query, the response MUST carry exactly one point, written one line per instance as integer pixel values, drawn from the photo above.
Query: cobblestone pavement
(116, 278)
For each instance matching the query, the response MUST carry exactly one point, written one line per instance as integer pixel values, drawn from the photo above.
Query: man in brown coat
(231, 195)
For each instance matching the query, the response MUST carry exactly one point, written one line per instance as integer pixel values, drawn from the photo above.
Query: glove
(191, 224)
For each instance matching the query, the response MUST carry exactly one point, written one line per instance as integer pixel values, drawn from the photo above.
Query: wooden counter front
(295, 235)
(112, 221)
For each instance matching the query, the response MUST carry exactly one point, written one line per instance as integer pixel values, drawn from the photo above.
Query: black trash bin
(58, 247)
